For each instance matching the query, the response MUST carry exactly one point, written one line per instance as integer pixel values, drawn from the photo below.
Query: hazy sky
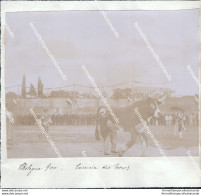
(77, 38)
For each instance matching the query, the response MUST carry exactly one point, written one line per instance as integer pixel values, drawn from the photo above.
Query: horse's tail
(97, 134)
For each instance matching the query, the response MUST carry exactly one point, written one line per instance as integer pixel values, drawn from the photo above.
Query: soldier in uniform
(46, 120)
(10, 128)
(179, 125)
(53, 119)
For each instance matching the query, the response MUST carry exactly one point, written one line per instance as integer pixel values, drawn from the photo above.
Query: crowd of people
(60, 119)
(90, 119)
(170, 119)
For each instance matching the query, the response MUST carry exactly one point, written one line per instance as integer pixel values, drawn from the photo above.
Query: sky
(77, 38)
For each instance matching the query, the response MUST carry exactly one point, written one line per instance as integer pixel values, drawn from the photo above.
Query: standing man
(176, 124)
(167, 120)
(191, 120)
(107, 130)
(170, 119)
(10, 120)
(112, 136)
(179, 126)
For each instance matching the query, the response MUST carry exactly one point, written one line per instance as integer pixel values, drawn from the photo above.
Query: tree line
(32, 91)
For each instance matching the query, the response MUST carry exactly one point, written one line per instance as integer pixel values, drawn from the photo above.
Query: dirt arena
(72, 141)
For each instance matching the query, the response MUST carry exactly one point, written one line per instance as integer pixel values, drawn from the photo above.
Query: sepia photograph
(110, 83)
(100, 94)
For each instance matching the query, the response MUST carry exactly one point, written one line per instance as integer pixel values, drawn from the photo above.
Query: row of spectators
(90, 119)
(170, 119)
(64, 119)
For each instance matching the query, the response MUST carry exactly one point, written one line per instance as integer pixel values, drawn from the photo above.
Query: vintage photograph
(102, 83)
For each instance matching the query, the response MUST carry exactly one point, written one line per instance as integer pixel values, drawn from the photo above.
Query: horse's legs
(144, 136)
(129, 144)
(46, 128)
(144, 143)
(107, 144)
(113, 137)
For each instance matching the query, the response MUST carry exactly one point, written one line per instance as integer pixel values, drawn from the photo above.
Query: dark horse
(128, 120)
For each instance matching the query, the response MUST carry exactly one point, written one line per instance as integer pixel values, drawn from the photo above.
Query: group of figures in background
(170, 119)
(177, 122)
(175, 119)
(90, 119)
(59, 119)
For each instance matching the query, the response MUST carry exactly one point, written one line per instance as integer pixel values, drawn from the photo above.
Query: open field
(71, 141)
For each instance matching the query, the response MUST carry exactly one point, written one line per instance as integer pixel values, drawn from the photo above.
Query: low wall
(60, 105)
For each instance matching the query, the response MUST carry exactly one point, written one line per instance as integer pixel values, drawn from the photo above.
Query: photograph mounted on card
(89, 88)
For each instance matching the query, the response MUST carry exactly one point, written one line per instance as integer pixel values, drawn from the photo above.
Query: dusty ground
(71, 141)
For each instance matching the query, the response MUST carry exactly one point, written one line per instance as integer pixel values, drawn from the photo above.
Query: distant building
(143, 92)
(187, 103)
